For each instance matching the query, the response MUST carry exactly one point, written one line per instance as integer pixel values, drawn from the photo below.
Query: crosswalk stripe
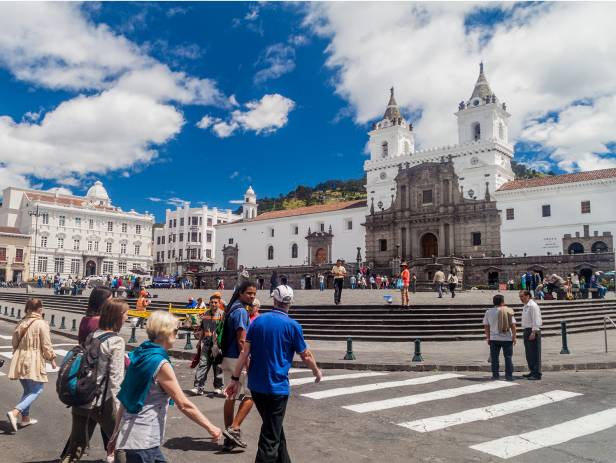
(512, 446)
(378, 386)
(2, 336)
(426, 397)
(485, 413)
(48, 368)
(299, 370)
(299, 381)
(8, 355)
(2, 374)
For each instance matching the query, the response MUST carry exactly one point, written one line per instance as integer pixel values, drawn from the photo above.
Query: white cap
(283, 293)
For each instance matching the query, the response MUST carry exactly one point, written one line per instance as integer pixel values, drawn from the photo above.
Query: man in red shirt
(405, 275)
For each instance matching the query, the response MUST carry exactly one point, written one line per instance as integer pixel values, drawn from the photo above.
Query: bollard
(18, 313)
(53, 320)
(349, 353)
(63, 323)
(133, 335)
(417, 357)
(13, 312)
(563, 332)
(188, 345)
(74, 326)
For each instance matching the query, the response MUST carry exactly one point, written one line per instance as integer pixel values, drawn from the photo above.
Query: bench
(594, 293)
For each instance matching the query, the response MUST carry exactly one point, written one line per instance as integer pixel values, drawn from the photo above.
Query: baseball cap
(283, 293)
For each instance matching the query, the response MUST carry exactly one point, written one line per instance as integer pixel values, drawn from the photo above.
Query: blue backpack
(77, 383)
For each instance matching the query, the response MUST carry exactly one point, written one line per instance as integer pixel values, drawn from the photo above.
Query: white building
(78, 236)
(537, 214)
(187, 239)
(481, 158)
(306, 235)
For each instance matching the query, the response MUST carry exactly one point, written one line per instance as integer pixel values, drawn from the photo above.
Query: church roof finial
(482, 89)
(392, 112)
(481, 67)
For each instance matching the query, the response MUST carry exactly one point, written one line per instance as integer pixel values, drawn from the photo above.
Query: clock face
(383, 175)
(474, 160)
(380, 204)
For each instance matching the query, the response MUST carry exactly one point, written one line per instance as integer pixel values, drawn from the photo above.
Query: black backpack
(77, 379)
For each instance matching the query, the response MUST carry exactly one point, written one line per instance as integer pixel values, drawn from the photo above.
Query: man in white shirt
(499, 325)
(531, 324)
(439, 281)
(339, 273)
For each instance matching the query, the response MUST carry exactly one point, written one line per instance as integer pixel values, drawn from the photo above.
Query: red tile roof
(11, 230)
(63, 200)
(559, 179)
(330, 207)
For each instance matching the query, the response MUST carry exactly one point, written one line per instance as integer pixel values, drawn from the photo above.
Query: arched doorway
(429, 245)
(320, 257)
(576, 248)
(599, 246)
(493, 279)
(587, 274)
(90, 268)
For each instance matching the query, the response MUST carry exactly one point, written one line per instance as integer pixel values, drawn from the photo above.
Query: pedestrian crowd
(128, 395)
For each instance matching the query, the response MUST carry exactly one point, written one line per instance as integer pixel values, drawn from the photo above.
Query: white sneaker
(219, 392)
(194, 391)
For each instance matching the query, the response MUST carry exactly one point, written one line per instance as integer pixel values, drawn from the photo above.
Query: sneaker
(219, 392)
(235, 435)
(197, 391)
(527, 375)
(227, 445)
(534, 378)
(508, 378)
(12, 421)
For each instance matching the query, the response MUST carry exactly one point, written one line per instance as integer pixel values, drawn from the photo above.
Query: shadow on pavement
(192, 443)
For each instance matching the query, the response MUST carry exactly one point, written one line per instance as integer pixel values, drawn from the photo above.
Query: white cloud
(233, 101)
(60, 190)
(253, 13)
(154, 199)
(542, 57)
(266, 115)
(177, 202)
(298, 40)
(128, 105)
(234, 174)
(236, 201)
(278, 59)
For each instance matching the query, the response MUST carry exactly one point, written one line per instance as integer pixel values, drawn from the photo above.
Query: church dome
(250, 192)
(97, 191)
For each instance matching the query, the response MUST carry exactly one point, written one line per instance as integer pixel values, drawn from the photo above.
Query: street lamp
(36, 214)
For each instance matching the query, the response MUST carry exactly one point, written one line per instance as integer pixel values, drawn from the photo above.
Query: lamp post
(36, 214)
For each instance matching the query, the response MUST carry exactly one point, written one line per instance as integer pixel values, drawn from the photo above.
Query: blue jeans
(495, 348)
(32, 389)
(153, 455)
(322, 286)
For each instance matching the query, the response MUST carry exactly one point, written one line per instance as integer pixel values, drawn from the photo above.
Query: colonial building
(78, 236)
(303, 236)
(14, 255)
(186, 242)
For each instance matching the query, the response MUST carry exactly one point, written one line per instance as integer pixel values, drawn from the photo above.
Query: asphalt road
(567, 417)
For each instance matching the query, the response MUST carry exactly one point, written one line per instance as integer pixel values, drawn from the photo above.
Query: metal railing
(605, 320)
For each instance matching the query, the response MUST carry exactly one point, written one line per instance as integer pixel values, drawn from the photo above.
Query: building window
(122, 266)
(382, 245)
(546, 210)
(193, 237)
(109, 226)
(349, 224)
(91, 224)
(45, 218)
(426, 197)
(58, 265)
(122, 248)
(108, 245)
(270, 253)
(180, 254)
(173, 253)
(19, 255)
(138, 229)
(158, 240)
(75, 266)
(208, 237)
(136, 266)
(96, 245)
(170, 223)
(60, 243)
(294, 251)
(169, 254)
(162, 240)
(181, 221)
(197, 220)
(107, 267)
(75, 247)
(43, 241)
(90, 246)
(209, 222)
(510, 214)
(230, 240)
(476, 239)
(322, 226)
(77, 223)
(124, 227)
(585, 207)
(175, 223)
(62, 221)
(137, 249)
(42, 264)
(208, 253)
(2, 254)
(181, 237)
(295, 230)
(476, 131)
(384, 149)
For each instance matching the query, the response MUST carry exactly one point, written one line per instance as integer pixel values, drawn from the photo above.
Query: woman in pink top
(89, 323)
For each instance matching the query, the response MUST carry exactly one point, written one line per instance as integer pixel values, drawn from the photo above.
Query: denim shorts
(153, 455)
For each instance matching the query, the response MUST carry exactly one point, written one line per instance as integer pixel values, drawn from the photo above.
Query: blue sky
(169, 102)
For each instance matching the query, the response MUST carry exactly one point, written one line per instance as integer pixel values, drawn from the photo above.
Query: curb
(350, 365)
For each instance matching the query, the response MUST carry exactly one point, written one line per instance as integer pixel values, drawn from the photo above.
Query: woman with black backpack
(110, 374)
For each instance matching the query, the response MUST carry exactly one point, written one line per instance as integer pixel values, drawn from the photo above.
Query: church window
(585, 207)
(230, 240)
(546, 210)
(599, 246)
(385, 149)
(427, 197)
(270, 253)
(510, 214)
(62, 221)
(382, 245)
(294, 251)
(476, 131)
(349, 224)
(476, 239)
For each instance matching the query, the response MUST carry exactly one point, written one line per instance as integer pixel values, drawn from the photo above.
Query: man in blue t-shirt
(272, 341)
(236, 323)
